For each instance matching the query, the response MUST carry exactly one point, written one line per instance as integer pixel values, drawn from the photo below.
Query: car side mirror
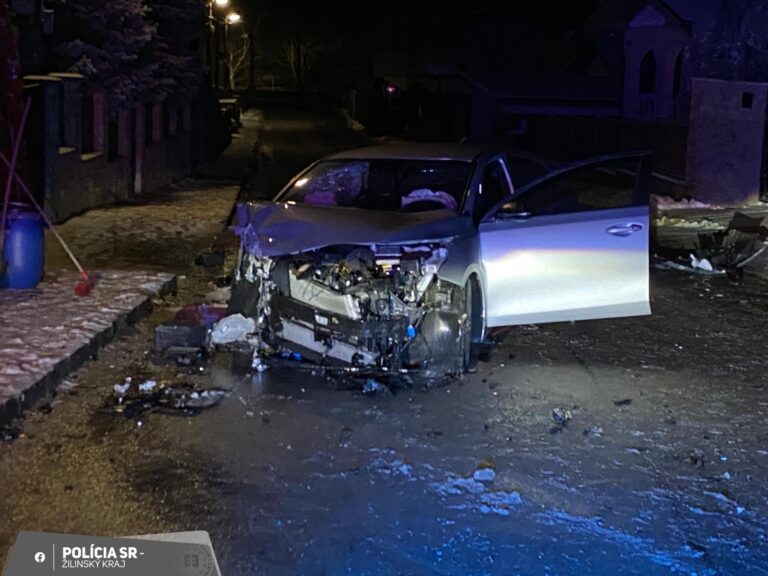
(513, 211)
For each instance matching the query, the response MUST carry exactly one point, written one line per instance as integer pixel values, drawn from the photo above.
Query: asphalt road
(662, 468)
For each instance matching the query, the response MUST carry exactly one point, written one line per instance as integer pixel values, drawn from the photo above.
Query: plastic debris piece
(122, 389)
(259, 365)
(561, 415)
(147, 386)
(373, 386)
(595, 431)
(702, 264)
(233, 328)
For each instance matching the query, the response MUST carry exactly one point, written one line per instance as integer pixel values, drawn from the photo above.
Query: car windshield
(396, 185)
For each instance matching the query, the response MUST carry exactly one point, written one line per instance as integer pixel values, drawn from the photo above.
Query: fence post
(43, 137)
(71, 109)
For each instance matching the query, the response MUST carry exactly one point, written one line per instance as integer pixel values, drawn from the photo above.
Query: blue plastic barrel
(24, 251)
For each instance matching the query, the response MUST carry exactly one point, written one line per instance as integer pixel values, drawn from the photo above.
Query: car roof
(413, 151)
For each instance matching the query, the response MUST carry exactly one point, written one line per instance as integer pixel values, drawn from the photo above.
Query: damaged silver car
(402, 257)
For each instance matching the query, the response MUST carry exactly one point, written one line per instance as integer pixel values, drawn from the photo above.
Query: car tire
(467, 325)
(465, 328)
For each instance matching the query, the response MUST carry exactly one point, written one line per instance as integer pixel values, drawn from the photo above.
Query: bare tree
(736, 47)
(238, 53)
(300, 55)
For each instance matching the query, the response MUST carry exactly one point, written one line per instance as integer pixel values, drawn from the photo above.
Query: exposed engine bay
(368, 307)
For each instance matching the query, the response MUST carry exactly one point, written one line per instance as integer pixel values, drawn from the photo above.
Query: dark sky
(351, 32)
(357, 26)
(345, 17)
(701, 12)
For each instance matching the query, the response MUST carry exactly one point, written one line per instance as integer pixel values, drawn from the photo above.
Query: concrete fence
(81, 155)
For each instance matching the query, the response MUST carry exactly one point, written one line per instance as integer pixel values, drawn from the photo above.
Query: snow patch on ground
(595, 527)
(387, 463)
(42, 327)
(476, 495)
(664, 203)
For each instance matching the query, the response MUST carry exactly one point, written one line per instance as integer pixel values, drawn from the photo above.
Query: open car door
(571, 245)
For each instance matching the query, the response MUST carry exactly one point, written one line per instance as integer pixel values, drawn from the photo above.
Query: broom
(86, 282)
(16, 143)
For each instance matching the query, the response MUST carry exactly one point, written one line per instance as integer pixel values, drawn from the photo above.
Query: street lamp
(216, 34)
(217, 4)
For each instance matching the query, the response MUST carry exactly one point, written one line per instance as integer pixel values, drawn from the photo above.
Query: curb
(14, 407)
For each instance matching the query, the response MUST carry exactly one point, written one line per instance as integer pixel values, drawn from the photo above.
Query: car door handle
(624, 229)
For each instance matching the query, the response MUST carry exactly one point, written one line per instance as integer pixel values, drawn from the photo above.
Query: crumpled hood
(275, 229)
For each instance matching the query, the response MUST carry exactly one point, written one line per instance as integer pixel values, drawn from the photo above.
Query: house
(622, 82)
(646, 43)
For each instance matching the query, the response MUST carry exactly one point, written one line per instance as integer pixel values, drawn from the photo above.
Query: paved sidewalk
(48, 332)
(140, 250)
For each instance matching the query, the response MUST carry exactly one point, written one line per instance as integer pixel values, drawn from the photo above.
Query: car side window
(524, 170)
(493, 188)
(597, 187)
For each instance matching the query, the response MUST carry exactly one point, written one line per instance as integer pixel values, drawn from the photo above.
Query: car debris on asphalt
(133, 398)
(232, 328)
(719, 250)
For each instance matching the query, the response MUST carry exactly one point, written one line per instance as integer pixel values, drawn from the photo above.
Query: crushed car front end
(364, 306)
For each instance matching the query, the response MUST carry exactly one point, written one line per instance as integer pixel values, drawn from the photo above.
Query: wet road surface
(662, 468)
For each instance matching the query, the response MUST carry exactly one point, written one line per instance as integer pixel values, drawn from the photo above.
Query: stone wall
(726, 143)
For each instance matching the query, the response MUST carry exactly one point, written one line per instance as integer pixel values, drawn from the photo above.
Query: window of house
(747, 100)
(678, 75)
(648, 73)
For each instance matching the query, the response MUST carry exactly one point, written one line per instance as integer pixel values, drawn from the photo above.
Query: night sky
(350, 33)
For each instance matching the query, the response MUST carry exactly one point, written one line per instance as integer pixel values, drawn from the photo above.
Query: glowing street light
(233, 18)
(218, 4)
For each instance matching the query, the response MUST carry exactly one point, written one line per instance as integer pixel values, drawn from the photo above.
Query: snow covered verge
(667, 203)
(47, 332)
